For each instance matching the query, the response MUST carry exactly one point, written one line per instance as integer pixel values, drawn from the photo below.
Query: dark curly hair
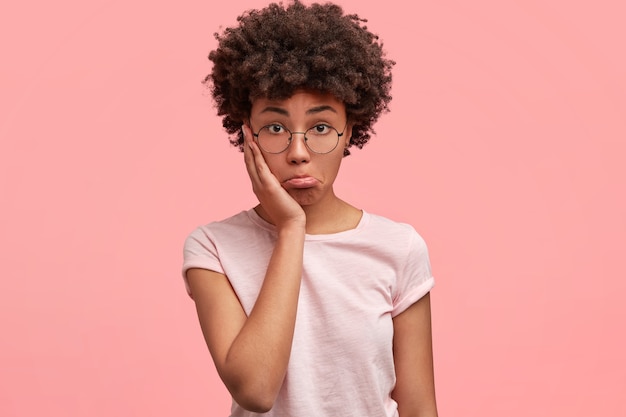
(277, 50)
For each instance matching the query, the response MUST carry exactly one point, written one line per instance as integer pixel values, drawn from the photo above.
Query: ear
(348, 134)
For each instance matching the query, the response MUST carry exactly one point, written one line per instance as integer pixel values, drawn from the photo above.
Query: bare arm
(251, 353)
(413, 358)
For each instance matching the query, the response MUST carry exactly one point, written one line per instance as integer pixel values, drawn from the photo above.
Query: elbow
(256, 407)
(253, 389)
(255, 399)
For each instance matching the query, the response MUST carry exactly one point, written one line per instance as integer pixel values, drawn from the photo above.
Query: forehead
(302, 102)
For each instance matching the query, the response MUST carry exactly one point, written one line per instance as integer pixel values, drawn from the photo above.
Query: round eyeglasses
(276, 138)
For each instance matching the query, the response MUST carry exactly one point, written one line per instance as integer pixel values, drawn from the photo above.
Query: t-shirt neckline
(259, 221)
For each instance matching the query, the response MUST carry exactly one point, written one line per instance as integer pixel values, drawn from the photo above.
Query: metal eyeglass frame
(339, 135)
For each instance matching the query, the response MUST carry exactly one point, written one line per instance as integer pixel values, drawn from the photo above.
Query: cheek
(333, 165)
(272, 162)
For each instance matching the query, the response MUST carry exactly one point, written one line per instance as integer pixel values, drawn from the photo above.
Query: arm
(251, 353)
(413, 358)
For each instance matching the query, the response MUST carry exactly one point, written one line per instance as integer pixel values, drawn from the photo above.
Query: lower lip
(304, 182)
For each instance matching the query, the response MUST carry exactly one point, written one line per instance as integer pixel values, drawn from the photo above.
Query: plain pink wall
(505, 148)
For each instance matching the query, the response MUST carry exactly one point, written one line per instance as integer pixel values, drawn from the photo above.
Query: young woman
(309, 306)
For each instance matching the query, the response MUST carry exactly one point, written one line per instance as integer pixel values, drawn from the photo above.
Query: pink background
(505, 148)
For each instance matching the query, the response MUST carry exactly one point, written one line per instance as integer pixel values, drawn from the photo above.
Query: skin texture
(251, 353)
(325, 213)
(413, 360)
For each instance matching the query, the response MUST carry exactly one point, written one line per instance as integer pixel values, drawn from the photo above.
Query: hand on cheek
(280, 207)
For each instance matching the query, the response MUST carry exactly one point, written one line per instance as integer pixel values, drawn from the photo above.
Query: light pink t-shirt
(353, 284)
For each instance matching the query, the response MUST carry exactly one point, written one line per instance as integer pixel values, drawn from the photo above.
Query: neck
(331, 216)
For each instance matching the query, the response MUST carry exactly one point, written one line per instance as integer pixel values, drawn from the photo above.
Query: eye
(321, 129)
(275, 129)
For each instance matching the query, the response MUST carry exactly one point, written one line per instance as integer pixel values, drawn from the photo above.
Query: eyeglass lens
(319, 139)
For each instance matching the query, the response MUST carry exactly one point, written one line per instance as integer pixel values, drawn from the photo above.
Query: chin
(305, 196)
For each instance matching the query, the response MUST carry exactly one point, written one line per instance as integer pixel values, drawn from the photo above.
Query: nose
(297, 152)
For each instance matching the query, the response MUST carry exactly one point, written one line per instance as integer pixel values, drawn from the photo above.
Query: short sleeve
(415, 280)
(199, 251)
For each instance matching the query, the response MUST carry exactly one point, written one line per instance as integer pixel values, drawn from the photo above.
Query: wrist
(291, 228)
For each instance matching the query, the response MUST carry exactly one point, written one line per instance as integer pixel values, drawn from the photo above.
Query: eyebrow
(312, 110)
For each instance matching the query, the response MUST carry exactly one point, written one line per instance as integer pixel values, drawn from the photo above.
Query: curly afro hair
(277, 50)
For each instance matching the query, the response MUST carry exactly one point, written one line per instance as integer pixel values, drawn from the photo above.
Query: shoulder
(393, 231)
(205, 238)
(396, 243)
(225, 226)
(216, 245)
(235, 235)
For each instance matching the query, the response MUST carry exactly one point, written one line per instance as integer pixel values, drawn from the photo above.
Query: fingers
(257, 167)
(249, 156)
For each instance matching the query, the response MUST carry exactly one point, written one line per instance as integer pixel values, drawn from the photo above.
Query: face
(307, 176)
